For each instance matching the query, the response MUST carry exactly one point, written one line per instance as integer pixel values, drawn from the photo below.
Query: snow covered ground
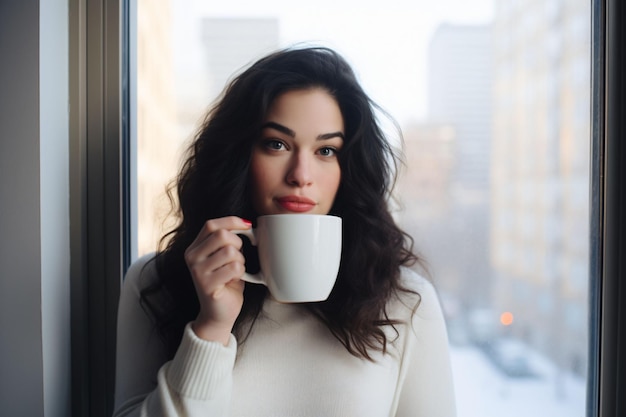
(482, 390)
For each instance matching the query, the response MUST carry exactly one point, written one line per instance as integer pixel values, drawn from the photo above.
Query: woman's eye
(328, 151)
(274, 145)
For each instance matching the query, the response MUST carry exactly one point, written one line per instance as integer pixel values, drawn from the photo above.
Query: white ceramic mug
(299, 255)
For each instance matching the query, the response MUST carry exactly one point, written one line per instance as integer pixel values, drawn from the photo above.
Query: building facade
(460, 72)
(540, 174)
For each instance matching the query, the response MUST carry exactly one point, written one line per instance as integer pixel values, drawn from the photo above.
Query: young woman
(294, 133)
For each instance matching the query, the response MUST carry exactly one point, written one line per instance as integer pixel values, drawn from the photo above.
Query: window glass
(493, 98)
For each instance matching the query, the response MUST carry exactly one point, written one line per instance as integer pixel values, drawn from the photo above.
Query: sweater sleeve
(197, 381)
(426, 383)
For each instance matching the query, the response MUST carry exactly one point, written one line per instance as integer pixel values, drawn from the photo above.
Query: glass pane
(493, 100)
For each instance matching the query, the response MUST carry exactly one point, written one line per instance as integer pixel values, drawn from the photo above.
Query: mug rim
(299, 215)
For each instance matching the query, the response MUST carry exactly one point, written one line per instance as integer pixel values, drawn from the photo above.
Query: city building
(540, 174)
(231, 44)
(460, 72)
(460, 75)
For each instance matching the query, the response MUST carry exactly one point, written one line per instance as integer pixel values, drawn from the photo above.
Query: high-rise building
(460, 96)
(230, 44)
(460, 69)
(539, 201)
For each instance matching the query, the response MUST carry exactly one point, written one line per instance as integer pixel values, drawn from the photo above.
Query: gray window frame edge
(101, 199)
(607, 320)
(99, 135)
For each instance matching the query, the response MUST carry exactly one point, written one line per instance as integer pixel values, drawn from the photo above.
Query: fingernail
(247, 222)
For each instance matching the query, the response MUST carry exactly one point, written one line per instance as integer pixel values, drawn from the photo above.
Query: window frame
(101, 77)
(607, 371)
(99, 89)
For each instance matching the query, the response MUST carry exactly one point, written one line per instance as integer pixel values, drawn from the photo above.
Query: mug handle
(253, 278)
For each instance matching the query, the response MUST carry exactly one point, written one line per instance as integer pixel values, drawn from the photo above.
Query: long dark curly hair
(213, 182)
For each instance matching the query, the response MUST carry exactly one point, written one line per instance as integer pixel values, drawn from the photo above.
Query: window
(504, 291)
(495, 195)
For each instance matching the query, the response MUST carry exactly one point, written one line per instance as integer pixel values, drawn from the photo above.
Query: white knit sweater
(290, 365)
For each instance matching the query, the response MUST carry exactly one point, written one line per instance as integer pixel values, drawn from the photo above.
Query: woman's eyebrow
(325, 136)
(289, 132)
(280, 128)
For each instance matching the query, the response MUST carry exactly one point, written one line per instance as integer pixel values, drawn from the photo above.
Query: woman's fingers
(218, 269)
(205, 248)
(214, 258)
(215, 234)
(228, 223)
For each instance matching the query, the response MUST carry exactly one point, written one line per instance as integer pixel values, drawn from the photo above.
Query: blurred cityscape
(496, 188)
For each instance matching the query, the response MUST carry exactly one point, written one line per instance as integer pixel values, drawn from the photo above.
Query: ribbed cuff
(201, 369)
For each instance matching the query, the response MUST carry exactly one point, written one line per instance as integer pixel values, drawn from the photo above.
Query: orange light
(506, 318)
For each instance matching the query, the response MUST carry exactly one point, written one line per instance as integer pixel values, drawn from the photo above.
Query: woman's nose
(300, 171)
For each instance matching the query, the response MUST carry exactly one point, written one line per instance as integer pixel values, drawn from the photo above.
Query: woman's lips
(296, 204)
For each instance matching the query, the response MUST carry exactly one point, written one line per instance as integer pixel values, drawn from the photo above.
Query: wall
(34, 209)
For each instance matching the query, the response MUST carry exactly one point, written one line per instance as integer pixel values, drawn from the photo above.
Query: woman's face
(295, 166)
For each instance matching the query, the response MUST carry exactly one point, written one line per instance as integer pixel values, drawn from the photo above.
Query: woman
(293, 133)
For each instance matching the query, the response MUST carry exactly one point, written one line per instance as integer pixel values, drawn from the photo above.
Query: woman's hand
(216, 264)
